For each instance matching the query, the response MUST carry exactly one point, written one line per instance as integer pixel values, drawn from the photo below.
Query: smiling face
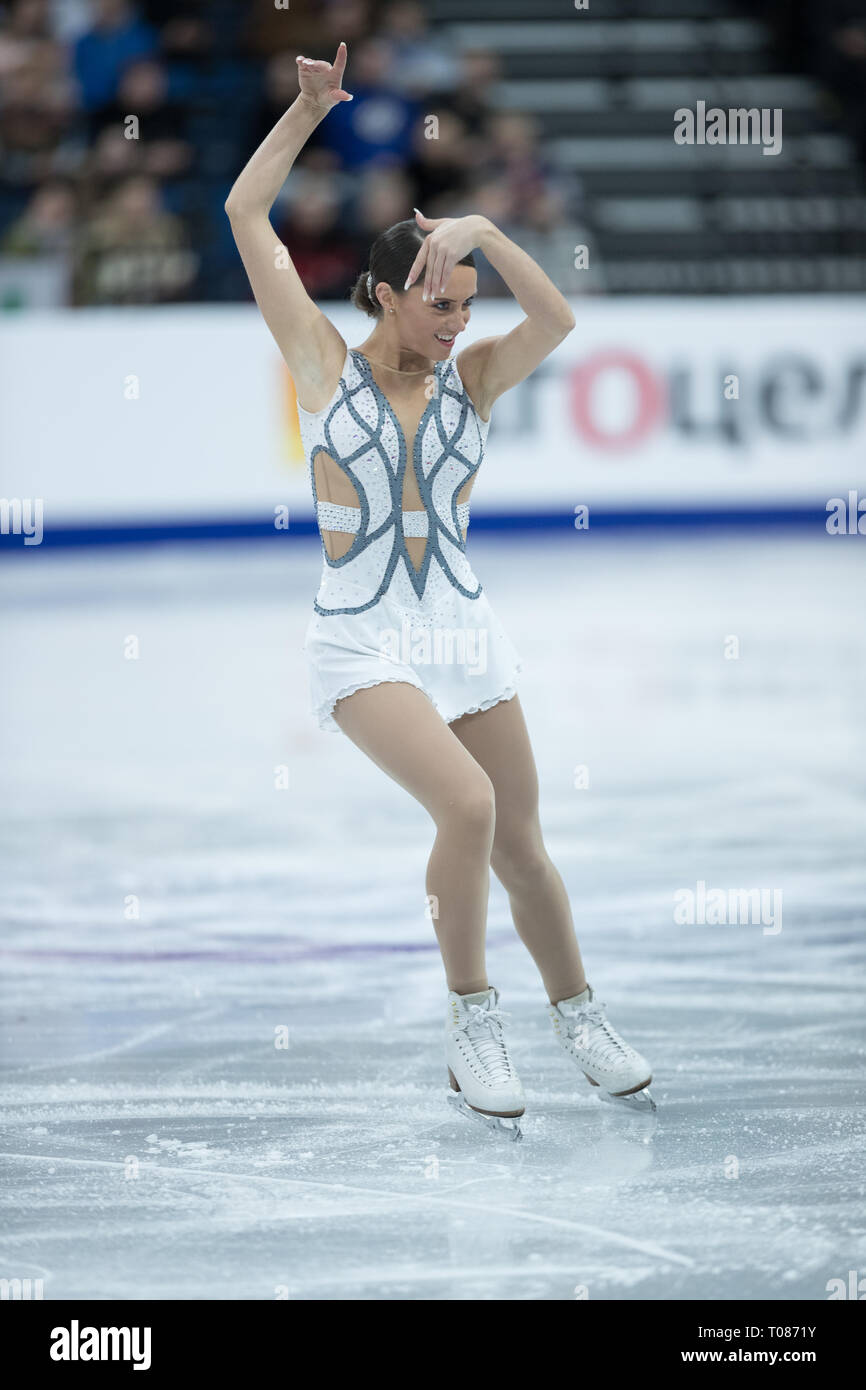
(430, 327)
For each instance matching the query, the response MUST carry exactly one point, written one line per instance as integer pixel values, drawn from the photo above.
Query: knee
(520, 860)
(472, 812)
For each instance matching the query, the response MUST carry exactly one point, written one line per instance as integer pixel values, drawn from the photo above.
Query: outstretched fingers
(417, 264)
(436, 278)
(340, 63)
(428, 267)
(444, 271)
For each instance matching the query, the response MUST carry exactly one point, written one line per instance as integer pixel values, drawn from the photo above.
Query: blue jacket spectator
(117, 38)
(377, 126)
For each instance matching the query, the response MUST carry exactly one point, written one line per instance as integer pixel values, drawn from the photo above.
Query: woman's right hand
(320, 82)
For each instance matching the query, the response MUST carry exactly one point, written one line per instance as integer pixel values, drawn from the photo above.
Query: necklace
(418, 372)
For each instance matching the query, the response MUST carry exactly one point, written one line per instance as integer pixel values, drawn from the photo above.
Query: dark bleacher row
(604, 83)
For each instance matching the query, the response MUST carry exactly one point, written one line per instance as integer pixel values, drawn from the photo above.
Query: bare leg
(399, 729)
(499, 742)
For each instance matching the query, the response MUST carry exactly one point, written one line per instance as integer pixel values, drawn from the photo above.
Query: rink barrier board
(186, 416)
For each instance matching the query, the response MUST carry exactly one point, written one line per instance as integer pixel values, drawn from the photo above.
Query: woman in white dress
(405, 655)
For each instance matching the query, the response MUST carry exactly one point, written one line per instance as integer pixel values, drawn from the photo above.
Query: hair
(391, 258)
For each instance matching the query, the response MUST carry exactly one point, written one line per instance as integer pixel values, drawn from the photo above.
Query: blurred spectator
(26, 22)
(850, 41)
(47, 225)
(421, 62)
(830, 40)
(36, 111)
(513, 156)
(110, 159)
(161, 135)
(846, 68)
(542, 225)
(440, 169)
(472, 100)
(323, 252)
(69, 19)
(385, 196)
(187, 38)
(349, 20)
(377, 126)
(279, 90)
(492, 199)
(133, 252)
(116, 38)
(188, 47)
(162, 14)
(311, 27)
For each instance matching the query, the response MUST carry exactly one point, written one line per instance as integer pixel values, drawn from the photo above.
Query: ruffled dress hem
(324, 712)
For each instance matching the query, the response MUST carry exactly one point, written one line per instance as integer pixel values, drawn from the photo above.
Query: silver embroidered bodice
(359, 431)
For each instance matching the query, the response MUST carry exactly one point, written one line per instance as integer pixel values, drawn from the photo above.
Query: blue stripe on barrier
(157, 532)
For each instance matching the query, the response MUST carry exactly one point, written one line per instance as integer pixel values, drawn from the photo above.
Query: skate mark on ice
(156, 1031)
(646, 1247)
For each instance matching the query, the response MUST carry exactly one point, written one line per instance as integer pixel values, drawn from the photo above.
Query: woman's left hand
(449, 240)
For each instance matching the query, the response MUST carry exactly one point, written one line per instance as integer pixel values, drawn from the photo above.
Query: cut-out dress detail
(377, 616)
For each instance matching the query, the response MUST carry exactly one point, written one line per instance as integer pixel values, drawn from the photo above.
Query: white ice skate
(484, 1084)
(606, 1060)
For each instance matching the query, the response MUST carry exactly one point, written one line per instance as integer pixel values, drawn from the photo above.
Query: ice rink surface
(193, 873)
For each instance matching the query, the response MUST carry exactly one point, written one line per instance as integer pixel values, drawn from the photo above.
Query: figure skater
(405, 654)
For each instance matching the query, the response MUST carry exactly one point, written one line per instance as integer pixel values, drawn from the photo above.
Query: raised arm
(313, 349)
(493, 365)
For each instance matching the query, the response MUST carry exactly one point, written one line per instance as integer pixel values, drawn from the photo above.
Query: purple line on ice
(235, 956)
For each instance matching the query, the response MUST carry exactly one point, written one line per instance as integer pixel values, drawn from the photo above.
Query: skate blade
(640, 1102)
(506, 1126)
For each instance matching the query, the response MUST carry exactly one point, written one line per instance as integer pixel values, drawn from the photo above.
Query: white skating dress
(376, 616)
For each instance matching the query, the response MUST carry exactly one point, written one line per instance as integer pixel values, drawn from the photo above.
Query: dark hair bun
(361, 299)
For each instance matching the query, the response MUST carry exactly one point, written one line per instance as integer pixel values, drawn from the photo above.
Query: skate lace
(483, 1028)
(604, 1043)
